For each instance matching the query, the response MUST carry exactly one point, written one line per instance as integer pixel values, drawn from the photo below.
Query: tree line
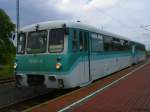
(7, 48)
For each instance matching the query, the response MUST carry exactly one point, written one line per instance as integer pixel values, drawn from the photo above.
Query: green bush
(6, 71)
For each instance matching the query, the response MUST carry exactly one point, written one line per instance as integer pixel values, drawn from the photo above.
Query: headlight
(15, 65)
(58, 66)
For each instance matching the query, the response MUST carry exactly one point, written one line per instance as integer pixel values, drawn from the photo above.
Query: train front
(40, 57)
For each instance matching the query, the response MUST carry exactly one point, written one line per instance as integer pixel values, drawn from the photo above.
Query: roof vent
(37, 27)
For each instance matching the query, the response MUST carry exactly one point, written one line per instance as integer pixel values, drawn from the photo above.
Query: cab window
(21, 42)
(56, 40)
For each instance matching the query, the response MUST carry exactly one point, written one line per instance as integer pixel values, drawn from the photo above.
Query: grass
(6, 71)
(147, 53)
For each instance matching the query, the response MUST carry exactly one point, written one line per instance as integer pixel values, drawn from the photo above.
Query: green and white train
(62, 54)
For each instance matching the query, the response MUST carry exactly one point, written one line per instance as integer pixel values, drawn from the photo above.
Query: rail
(8, 80)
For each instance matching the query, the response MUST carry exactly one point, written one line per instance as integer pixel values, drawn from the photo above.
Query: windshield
(37, 42)
(21, 41)
(56, 40)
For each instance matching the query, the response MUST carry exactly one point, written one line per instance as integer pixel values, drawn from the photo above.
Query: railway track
(8, 80)
(27, 102)
(35, 100)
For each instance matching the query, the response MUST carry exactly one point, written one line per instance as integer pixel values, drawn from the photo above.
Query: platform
(131, 95)
(128, 93)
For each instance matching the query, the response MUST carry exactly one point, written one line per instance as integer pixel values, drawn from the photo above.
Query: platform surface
(118, 93)
(130, 95)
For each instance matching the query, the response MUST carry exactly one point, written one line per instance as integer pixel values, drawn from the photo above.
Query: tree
(7, 48)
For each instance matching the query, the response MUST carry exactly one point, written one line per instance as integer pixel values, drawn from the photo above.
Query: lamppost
(17, 17)
(146, 27)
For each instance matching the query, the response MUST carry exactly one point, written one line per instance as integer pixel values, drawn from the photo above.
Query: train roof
(79, 25)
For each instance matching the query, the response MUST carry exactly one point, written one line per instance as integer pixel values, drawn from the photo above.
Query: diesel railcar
(62, 54)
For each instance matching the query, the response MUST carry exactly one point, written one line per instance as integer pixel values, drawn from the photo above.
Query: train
(64, 54)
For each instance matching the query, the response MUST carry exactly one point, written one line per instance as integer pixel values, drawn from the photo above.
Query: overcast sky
(123, 17)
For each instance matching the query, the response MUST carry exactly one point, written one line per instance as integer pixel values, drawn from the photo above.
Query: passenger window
(100, 42)
(127, 45)
(83, 41)
(120, 45)
(116, 44)
(107, 43)
(97, 42)
(74, 41)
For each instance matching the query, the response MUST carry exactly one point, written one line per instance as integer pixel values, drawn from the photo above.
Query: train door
(97, 65)
(83, 46)
(95, 48)
(134, 58)
(92, 56)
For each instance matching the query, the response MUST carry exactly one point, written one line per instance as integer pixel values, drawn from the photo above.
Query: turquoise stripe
(97, 57)
(94, 57)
